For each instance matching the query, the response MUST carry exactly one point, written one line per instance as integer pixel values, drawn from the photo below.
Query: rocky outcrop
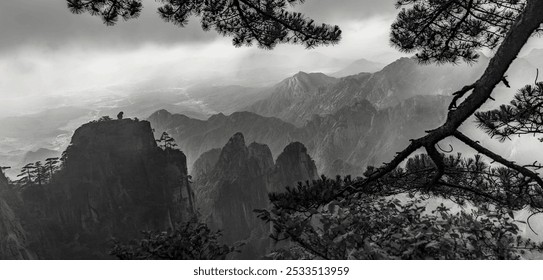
(292, 166)
(205, 163)
(3, 180)
(227, 196)
(13, 240)
(114, 183)
(240, 182)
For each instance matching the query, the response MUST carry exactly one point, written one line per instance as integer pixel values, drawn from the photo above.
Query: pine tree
(524, 116)
(51, 167)
(439, 32)
(26, 176)
(266, 23)
(39, 173)
(166, 142)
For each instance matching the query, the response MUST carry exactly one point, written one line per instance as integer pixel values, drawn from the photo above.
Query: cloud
(49, 24)
(47, 52)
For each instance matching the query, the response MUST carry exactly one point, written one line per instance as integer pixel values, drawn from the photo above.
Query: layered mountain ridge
(294, 101)
(341, 143)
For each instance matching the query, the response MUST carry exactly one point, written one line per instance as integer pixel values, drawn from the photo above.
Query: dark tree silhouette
(266, 22)
(188, 241)
(51, 167)
(26, 175)
(39, 173)
(525, 17)
(444, 31)
(439, 31)
(379, 227)
(523, 116)
(104, 119)
(166, 142)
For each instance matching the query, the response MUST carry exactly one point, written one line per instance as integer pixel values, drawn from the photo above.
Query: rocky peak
(401, 64)
(217, 117)
(227, 196)
(161, 118)
(240, 182)
(292, 166)
(121, 136)
(233, 155)
(261, 158)
(303, 83)
(115, 183)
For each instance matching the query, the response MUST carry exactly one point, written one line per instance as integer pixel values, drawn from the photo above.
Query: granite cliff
(13, 238)
(239, 182)
(114, 183)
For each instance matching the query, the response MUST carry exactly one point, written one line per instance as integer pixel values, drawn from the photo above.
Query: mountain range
(239, 143)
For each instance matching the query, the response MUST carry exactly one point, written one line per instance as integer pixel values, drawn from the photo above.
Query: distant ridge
(360, 66)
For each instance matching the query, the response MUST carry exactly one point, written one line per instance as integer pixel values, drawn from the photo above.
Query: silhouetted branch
(497, 158)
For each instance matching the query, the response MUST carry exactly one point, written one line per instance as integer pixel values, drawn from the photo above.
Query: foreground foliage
(376, 227)
(188, 241)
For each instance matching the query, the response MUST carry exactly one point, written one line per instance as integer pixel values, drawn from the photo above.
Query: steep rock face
(240, 182)
(12, 236)
(3, 180)
(205, 163)
(292, 166)
(227, 196)
(115, 183)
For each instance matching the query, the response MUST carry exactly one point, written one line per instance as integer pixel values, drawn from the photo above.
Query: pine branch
(497, 158)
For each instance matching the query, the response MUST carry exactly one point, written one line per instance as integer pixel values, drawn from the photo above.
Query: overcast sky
(45, 50)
